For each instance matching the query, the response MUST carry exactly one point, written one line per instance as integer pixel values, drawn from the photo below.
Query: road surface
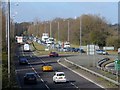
(45, 82)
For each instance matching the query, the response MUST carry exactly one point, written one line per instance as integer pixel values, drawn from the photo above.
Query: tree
(113, 41)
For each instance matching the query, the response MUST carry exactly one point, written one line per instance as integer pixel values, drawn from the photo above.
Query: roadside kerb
(107, 70)
(94, 73)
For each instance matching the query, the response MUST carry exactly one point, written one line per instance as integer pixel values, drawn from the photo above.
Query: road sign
(90, 49)
(117, 64)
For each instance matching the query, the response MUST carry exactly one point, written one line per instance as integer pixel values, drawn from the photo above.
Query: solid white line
(70, 82)
(80, 75)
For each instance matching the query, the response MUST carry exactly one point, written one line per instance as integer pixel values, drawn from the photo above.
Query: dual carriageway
(45, 82)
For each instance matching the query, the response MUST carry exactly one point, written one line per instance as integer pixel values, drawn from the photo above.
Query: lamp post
(80, 33)
(8, 40)
(45, 27)
(68, 37)
(50, 29)
(68, 32)
(58, 31)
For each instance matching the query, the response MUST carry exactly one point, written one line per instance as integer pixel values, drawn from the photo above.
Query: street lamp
(50, 29)
(8, 40)
(44, 27)
(58, 27)
(58, 31)
(68, 38)
(68, 32)
(80, 32)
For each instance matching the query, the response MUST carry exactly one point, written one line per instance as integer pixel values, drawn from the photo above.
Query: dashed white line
(74, 85)
(21, 70)
(37, 73)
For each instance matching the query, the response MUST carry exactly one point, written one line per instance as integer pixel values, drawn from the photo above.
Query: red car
(53, 54)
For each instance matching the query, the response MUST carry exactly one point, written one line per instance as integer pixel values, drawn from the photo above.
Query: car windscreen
(30, 75)
(60, 74)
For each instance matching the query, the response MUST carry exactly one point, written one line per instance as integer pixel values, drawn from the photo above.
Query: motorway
(74, 81)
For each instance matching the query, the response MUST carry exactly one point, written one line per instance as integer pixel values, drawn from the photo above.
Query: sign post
(117, 68)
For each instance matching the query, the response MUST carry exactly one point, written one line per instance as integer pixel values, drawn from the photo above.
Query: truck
(19, 39)
(45, 37)
(26, 47)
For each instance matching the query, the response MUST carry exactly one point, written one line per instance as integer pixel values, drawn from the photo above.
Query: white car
(59, 77)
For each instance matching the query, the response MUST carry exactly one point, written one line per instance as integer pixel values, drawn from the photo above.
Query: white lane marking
(38, 74)
(21, 70)
(74, 85)
(36, 63)
(39, 58)
(69, 81)
(80, 74)
(42, 61)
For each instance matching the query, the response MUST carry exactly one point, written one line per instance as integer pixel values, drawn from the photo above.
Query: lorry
(19, 39)
(45, 37)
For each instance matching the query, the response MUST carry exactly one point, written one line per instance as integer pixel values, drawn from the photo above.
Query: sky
(29, 11)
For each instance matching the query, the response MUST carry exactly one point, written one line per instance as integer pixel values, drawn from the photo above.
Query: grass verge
(6, 82)
(40, 50)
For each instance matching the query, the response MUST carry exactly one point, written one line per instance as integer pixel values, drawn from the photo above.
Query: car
(105, 53)
(53, 54)
(101, 52)
(23, 60)
(47, 67)
(30, 78)
(59, 77)
(80, 50)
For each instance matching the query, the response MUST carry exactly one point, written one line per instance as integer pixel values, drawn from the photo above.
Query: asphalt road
(74, 81)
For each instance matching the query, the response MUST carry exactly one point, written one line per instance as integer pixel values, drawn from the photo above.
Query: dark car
(71, 49)
(23, 60)
(30, 78)
(79, 50)
(53, 54)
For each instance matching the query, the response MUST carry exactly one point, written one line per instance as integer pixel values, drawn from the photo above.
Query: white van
(26, 47)
(66, 44)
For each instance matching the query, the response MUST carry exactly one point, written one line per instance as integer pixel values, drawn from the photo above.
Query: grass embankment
(6, 82)
(40, 50)
(113, 52)
(95, 78)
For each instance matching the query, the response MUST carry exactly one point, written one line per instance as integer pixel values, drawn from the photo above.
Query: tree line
(94, 30)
